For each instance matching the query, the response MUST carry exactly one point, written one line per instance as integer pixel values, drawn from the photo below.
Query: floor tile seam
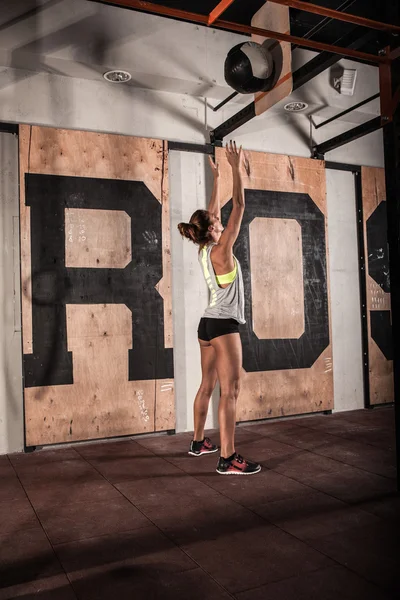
(281, 579)
(311, 487)
(346, 506)
(342, 462)
(250, 510)
(338, 436)
(192, 475)
(14, 531)
(352, 570)
(334, 560)
(43, 530)
(56, 545)
(314, 571)
(44, 507)
(41, 579)
(197, 565)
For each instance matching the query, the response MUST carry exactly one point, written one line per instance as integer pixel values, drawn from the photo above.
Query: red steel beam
(395, 54)
(334, 14)
(284, 37)
(176, 13)
(218, 10)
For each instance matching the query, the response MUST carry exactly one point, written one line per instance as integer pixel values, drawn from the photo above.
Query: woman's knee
(207, 388)
(231, 390)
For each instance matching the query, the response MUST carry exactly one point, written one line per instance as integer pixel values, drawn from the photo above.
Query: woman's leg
(208, 381)
(228, 352)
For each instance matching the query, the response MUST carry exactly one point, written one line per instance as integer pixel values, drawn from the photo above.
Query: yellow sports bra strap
(228, 278)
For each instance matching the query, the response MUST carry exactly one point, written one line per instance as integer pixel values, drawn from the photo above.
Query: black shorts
(213, 328)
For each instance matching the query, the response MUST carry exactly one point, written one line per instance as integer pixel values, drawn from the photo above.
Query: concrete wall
(345, 297)
(11, 411)
(90, 104)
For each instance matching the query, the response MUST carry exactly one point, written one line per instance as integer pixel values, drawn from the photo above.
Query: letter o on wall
(293, 222)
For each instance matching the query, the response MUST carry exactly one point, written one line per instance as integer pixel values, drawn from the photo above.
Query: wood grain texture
(277, 278)
(269, 394)
(380, 368)
(101, 402)
(278, 172)
(90, 237)
(275, 18)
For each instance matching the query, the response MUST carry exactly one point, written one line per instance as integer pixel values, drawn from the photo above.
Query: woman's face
(216, 228)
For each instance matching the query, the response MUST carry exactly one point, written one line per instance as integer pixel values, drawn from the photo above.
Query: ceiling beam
(218, 10)
(348, 136)
(334, 14)
(347, 111)
(325, 21)
(239, 28)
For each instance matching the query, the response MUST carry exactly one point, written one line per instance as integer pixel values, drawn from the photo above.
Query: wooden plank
(282, 173)
(277, 278)
(101, 401)
(165, 285)
(24, 138)
(293, 389)
(90, 238)
(274, 18)
(378, 292)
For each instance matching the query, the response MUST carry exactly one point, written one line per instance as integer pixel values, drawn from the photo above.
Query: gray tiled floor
(139, 518)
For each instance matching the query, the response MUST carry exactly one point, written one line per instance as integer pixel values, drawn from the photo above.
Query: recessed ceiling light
(295, 106)
(117, 76)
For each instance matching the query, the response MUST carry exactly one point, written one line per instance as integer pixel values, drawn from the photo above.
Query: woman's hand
(214, 167)
(235, 157)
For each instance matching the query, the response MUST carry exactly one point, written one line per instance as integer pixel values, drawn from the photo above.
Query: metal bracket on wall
(363, 286)
(342, 167)
(243, 116)
(30, 449)
(188, 147)
(9, 128)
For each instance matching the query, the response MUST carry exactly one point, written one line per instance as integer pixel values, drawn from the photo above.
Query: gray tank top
(224, 303)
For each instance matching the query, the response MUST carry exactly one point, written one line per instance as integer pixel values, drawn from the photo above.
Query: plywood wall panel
(96, 281)
(287, 353)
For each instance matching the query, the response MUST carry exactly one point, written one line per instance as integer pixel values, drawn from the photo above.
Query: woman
(218, 332)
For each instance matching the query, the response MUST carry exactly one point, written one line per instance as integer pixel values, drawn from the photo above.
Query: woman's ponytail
(188, 230)
(197, 230)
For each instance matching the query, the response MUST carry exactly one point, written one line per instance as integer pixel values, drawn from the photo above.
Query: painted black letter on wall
(276, 355)
(54, 285)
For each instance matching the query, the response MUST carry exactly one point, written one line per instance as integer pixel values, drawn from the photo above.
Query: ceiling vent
(346, 84)
(117, 76)
(295, 106)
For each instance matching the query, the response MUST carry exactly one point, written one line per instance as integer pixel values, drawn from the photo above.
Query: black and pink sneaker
(237, 465)
(204, 447)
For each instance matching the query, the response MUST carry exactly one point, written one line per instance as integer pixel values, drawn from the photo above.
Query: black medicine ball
(249, 68)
